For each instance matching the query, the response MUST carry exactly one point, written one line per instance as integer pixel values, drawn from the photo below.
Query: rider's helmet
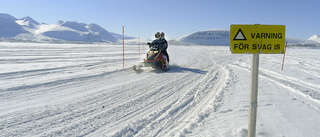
(157, 35)
(162, 34)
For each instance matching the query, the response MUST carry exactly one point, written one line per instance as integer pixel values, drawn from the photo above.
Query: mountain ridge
(222, 37)
(28, 29)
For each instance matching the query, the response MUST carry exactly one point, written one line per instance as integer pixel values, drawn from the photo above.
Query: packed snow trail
(82, 90)
(76, 93)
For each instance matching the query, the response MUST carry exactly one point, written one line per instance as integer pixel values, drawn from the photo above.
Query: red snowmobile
(154, 58)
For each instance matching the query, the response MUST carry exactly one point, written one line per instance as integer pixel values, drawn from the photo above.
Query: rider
(166, 45)
(161, 42)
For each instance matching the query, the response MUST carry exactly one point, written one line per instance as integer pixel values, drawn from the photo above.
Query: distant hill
(222, 38)
(208, 37)
(302, 42)
(315, 38)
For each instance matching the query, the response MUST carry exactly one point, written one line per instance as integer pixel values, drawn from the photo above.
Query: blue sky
(142, 18)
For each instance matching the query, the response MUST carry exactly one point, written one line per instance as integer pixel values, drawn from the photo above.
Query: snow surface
(82, 90)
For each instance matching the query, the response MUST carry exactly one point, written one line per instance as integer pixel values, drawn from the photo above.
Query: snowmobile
(154, 58)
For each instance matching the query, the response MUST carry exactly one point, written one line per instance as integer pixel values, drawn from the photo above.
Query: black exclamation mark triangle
(239, 35)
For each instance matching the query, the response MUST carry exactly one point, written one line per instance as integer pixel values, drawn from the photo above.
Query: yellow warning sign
(262, 39)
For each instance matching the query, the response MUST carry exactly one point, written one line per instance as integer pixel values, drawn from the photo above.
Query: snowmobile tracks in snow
(79, 90)
(301, 90)
(180, 98)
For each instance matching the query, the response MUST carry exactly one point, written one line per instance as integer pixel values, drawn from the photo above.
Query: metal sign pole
(253, 95)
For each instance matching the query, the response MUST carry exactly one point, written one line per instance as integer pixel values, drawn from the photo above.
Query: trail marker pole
(284, 55)
(143, 50)
(123, 43)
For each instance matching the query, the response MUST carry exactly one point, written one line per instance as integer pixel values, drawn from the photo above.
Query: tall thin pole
(139, 47)
(123, 43)
(284, 55)
(253, 95)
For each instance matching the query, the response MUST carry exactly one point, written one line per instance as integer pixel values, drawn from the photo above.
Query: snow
(302, 42)
(82, 90)
(315, 38)
(28, 22)
(222, 37)
(8, 27)
(74, 31)
(208, 37)
(27, 29)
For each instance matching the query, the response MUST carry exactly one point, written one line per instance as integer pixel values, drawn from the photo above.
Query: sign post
(253, 95)
(256, 39)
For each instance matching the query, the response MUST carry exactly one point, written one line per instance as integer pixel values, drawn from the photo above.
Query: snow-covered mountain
(315, 38)
(27, 29)
(222, 37)
(208, 37)
(31, 30)
(302, 42)
(28, 22)
(119, 36)
(8, 26)
(74, 31)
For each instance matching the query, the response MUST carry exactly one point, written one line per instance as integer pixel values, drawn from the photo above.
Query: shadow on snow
(178, 69)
